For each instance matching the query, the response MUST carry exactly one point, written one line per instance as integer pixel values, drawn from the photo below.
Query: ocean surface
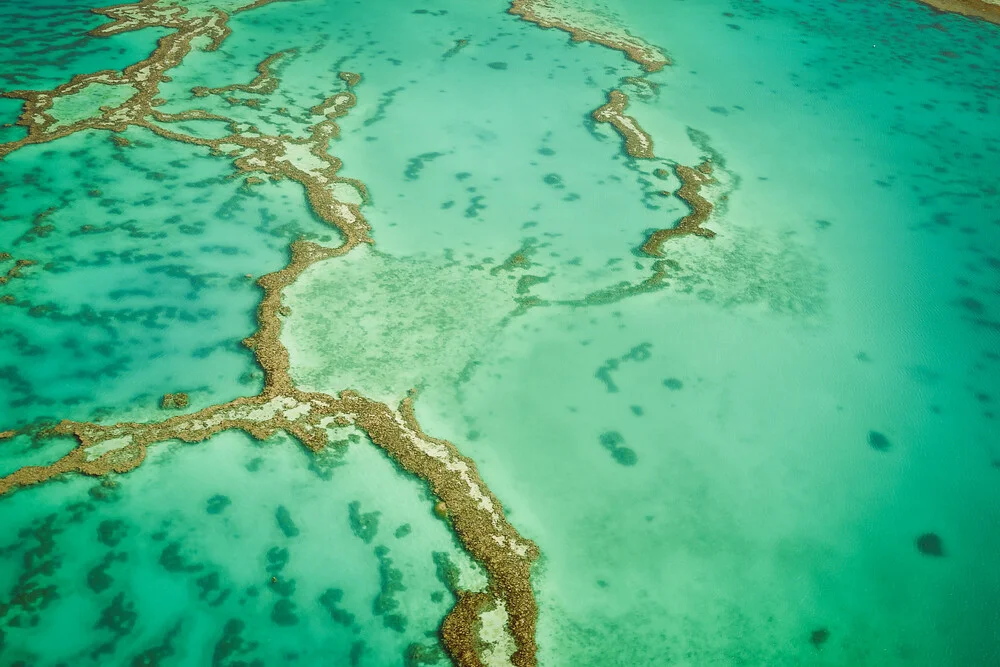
(784, 451)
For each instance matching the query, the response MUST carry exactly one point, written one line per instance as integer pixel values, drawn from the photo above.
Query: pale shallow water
(696, 464)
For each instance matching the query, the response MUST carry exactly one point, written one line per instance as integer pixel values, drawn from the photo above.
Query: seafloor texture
(487, 333)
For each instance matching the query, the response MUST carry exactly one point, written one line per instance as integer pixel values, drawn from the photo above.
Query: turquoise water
(733, 469)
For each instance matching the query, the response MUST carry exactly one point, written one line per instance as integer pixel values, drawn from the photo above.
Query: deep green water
(696, 464)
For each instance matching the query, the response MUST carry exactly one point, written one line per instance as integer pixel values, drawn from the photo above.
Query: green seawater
(786, 453)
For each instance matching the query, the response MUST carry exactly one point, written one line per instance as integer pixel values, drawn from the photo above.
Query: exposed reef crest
(692, 181)
(587, 24)
(638, 143)
(987, 10)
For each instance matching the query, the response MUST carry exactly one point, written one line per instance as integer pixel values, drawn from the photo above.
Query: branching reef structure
(116, 100)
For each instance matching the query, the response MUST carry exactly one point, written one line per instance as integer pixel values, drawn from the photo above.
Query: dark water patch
(878, 441)
(638, 353)
(446, 571)
(283, 613)
(119, 618)
(611, 440)
(119, 294)
(331, 457)
(171, 560)
(157, 655)
(417, 164)
(357, 651)
(217, 504)
(475, 206)
(232, 650)
(363, 525)
(383, 103)
(626, 456)
(325, 462)
(498, 65)
(330, 601)
(973, 306)
(555, 180)
(30, 594)
(277, 558)
(391, 583)
(396, 622)
(924, 374)
(197, 229)
(930, 544)
(229, 251)
(281, 587)
(818, 637)
(422, 654)
(546, 151)
(197, 281)
(673, 384)
(108, 491)
(285, 523)
(77, 512)
(209, 584)
(456, 47)
(993, 325)
(637, 410)
(402, 531)
(98, 579)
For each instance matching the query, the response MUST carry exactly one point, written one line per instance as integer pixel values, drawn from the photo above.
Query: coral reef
(638, 143)
(588, 24)
(988, 10)
(692, 181)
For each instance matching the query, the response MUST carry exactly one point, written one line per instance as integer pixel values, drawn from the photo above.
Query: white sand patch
(109, 445)
(493, 632)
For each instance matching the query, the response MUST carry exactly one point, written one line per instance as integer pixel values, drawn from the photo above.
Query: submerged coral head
(930, 544)
(878, 441)
(818, 637)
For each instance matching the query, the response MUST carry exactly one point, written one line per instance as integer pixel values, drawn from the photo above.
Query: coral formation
(692, 181)
(638, 143)
(988, 10)
(474, 514)
(174, 401)
(588, 24)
